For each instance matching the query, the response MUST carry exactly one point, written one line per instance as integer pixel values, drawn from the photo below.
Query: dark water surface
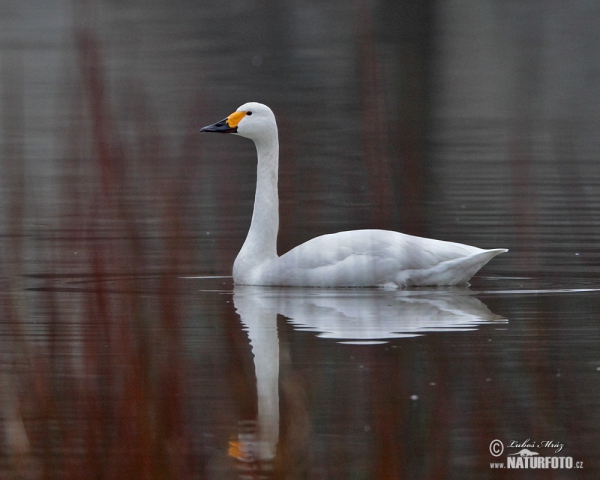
(127, 352)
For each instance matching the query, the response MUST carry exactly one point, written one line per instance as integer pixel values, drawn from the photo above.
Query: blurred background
(472, 121)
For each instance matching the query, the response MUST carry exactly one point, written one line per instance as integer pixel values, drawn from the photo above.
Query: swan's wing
(360, 258)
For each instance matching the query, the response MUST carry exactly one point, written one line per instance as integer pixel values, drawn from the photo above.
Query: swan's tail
(451, 272)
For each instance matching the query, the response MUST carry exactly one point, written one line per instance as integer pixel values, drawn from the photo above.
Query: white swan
(358, 258)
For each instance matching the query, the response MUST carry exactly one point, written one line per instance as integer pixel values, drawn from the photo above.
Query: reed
(92, 384)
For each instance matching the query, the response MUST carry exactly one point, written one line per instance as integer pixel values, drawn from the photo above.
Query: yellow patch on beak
(235, 118)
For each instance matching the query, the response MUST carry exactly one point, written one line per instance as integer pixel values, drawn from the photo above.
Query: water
(127, 352)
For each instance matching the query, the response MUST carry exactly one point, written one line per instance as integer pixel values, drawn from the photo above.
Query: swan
(358, 258)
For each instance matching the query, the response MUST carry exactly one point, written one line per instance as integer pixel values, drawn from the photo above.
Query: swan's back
(362, 258)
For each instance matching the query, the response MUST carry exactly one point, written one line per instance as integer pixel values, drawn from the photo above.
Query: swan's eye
(248, 113)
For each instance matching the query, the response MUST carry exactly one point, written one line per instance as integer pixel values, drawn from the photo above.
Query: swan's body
(358, 258)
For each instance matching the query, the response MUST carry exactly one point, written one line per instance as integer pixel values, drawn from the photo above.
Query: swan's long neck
(261, 242)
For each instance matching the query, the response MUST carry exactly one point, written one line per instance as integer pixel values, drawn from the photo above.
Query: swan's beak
(220, 127)
(227, 125)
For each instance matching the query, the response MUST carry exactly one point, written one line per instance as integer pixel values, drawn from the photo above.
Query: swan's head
(252, 120)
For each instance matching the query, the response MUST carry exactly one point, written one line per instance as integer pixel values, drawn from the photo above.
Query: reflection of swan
(261, 325)
(365, 316)
(359, 258)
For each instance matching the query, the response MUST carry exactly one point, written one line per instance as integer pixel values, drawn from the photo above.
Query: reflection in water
(367, 316)
(258, 443)
(356, 317)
